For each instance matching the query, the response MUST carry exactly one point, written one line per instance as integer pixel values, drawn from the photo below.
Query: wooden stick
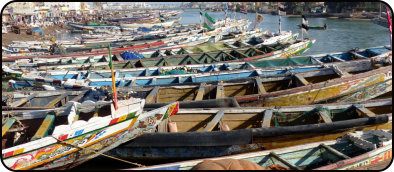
(113, 79)
(94, 151)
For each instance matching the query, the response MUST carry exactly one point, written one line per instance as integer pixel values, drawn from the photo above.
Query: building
(76, 6)
(22, 8)
(6, 16)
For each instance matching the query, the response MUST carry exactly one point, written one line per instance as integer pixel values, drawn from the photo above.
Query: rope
(94, 151)
(16, 119)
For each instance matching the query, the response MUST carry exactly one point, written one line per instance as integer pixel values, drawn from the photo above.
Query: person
(55, 48)
(325, 26)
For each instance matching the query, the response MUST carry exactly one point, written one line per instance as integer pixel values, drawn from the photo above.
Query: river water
(341, 35)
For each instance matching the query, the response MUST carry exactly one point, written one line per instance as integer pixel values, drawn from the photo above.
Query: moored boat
(65, 142)
(343, 81)
(127, 26)
(324, 27)
(359, 148)
(185, 55)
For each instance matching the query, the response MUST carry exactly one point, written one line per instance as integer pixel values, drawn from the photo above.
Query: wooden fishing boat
(272, 75)
(174, 42)
(315, 27)
(90, 27)
(198, 133)
(53, 99)
(160, 58)
(329, 84)
(86, 54)
(79, 133)
(133, 19)
(150, 53)
(128, 26)
(313, 62)
(313, 59)
(355, 149)
(338, 81)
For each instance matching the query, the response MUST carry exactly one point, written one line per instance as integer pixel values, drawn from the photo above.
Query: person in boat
(55, 48)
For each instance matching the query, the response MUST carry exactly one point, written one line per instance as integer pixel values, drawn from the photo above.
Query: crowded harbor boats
(222, 91)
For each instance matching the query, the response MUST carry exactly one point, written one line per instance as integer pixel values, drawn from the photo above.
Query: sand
(48, 32)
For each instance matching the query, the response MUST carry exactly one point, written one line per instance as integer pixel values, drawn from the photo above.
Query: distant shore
(333, 17)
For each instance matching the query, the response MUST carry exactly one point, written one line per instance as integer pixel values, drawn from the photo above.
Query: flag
(209, 21)
(225, 9)
(304, 25)
(259, 18)
(243, 11)
(200, 17)
(281, 8)
(162, 19)
(389, 20)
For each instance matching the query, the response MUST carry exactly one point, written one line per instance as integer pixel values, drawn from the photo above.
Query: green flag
(209, 21)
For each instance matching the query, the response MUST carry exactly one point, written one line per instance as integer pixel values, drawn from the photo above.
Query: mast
(390, 29)
(380, 10)
(225, 13)
(113, 79)
(280, 25)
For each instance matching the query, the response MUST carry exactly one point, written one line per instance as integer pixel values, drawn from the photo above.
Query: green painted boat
(184, 57)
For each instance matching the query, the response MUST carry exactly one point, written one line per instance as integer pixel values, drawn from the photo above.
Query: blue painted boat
(190, 73)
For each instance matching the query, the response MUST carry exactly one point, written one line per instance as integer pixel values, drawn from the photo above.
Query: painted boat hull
(57, 155)
(310, 156)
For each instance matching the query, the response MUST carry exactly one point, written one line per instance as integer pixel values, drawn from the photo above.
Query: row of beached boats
(173, 37)
(225, 50)
(252, 86)
(243, 98)
(354, 75)
(198, 133)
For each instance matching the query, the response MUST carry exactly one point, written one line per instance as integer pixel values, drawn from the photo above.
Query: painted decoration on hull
(60, 154)
(369, 92)
(315, 95)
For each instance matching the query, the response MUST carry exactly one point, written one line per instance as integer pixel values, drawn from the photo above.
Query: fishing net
(175, 72)
(307, 117)
(127, 55)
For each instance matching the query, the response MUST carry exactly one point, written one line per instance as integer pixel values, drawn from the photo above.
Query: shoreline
(332, 17)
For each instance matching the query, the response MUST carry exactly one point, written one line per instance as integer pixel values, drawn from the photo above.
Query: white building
(70, 5)
(23, 8)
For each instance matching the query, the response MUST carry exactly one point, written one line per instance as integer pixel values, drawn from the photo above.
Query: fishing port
(102, 86)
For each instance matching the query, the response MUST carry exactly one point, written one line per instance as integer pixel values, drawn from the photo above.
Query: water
(341, 35)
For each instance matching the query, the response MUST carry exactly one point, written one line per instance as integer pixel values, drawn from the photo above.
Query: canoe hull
(179, 152)
(60, 156)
